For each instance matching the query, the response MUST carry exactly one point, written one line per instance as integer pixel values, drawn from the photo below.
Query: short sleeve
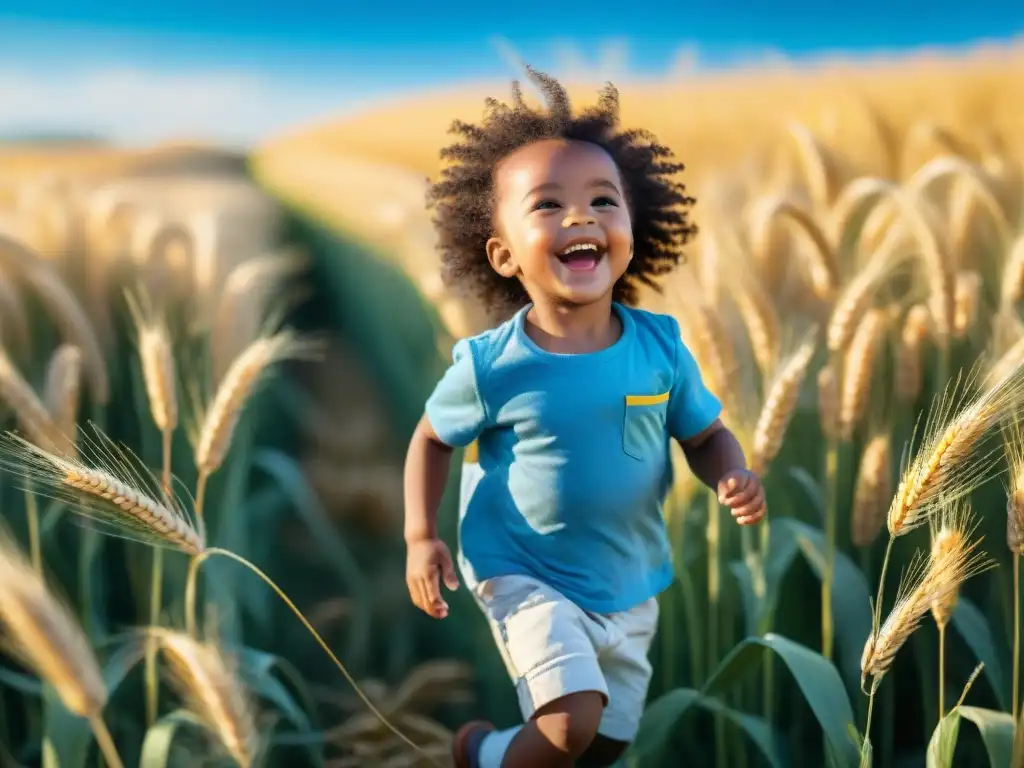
(692, 407)
(455, 409)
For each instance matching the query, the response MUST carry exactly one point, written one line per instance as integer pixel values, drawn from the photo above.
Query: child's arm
(716, 458)
(428, 558)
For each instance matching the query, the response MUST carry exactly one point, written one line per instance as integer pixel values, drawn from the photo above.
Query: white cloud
(140, 106)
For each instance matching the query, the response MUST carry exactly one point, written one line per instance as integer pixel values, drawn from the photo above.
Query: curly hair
(464, 196)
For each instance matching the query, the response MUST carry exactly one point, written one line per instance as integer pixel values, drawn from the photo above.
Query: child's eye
(603, 200)
(545, 205)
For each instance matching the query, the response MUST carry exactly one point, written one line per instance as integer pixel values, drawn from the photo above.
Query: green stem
(690, 611)
(190, 624)
(714, 595)
(877, 619)
(32, 515)
(831, 472)
(865, 749)
(1016, 634)
(942, 671)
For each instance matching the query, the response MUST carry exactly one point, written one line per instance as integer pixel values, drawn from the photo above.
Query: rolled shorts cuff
(572, 673)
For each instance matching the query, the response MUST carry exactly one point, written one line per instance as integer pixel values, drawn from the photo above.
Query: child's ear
(501, 259)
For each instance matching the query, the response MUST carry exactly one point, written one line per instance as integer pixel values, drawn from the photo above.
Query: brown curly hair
(464, 196)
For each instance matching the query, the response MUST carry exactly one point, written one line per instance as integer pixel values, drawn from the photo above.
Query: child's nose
(578, 219)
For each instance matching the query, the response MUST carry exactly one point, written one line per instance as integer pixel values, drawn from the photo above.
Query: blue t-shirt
(574, 461)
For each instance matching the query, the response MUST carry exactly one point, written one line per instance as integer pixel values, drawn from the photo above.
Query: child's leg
(557, 734)
(627, 671)
(551, 649)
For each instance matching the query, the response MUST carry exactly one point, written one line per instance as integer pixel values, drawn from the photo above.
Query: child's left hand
(742, 492)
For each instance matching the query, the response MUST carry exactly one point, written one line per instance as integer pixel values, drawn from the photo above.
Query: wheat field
(210, 365)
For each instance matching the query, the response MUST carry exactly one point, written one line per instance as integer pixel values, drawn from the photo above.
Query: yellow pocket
(643, 428)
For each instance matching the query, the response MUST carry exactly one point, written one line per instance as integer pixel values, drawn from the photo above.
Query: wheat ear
(238, 384)
(205, 679)
(46, 637)
(779, 404)
(104, 486)
(872, 491)
(927, 582)
(857, 371)
(62, 394)
(949, 465)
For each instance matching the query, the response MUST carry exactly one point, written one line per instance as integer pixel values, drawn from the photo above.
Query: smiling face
(563, 226)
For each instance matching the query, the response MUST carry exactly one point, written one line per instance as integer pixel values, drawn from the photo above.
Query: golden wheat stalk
(61, 305)
(205, 679)
(39, 427)
(760, 319)
(928, 581)
(62, 394)
(103, 487)
(1011, 286)
(908, 373)
(33, 417)
(1013, 438)
(160, 379)
(821, 263)
(872, 490)
(238, 384)
(858, 369)
(948, 463)
(966, 300)
(45, 636)
(244, 301)
(828, 402)
(779, 404)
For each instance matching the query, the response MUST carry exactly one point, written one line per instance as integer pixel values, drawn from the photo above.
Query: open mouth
(581, 256)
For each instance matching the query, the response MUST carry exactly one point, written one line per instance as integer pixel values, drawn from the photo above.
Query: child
(556, 220)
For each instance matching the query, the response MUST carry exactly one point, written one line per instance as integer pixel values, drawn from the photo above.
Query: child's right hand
(426, 562)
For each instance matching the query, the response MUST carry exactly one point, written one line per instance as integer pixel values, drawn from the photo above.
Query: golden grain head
(1013, 442)
(872, 491)
(45, 635)
(107, 486)
(929, 584)
(205, 679)
(62, 394)
(33, 416)
(246, 372)
(858, 369)
(951, 461)
(779, 404)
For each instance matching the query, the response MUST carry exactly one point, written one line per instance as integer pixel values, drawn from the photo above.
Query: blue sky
(237, 72)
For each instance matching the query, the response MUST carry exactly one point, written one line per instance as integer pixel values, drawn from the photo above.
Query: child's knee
(570, 723)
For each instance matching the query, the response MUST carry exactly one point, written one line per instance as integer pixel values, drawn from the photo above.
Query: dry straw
(46, 637)
(205, 679)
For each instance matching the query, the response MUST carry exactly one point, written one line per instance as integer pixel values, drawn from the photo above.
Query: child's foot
(467, 741)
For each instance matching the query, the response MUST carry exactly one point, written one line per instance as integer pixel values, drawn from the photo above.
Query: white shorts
(552, 648)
